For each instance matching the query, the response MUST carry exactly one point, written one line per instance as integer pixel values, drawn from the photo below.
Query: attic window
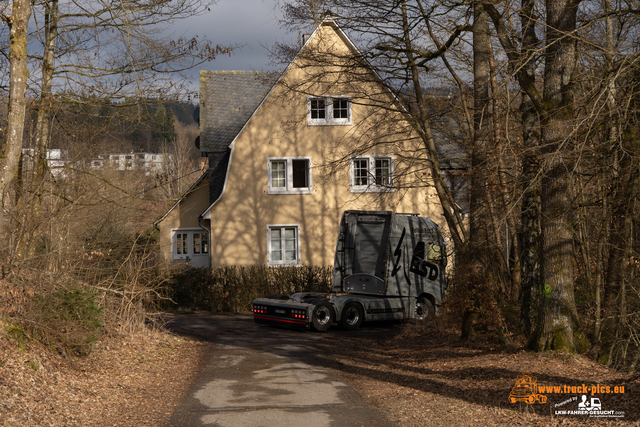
(329, 110)
(318, 110)
(341, 109)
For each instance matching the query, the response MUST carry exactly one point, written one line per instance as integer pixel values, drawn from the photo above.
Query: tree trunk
(43, 126)
(12, 145)
(557, 318)
(530, 183)
(450, 210)
(513, 274)
(620, 240)
(42, 132)
(479, 259)
(601, 254)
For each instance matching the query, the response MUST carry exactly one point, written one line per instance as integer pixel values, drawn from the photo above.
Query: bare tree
(99, 51)
(16, 16)
(180, 161)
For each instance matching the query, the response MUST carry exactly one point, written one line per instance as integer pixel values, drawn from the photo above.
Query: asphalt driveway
(262, 376)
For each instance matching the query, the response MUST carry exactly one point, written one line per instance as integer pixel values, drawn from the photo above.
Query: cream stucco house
(288, 153)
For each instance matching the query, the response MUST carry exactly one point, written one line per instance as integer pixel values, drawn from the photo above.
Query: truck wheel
(352, 316)
(322, 316)
(424, 310)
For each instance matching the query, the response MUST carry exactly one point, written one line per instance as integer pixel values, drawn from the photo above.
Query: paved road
(261, 376)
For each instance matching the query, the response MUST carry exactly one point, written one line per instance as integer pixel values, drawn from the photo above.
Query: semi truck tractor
(387, 266)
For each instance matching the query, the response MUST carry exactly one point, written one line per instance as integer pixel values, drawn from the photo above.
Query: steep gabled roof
(227, 101)
(222, 140)
(230, 99)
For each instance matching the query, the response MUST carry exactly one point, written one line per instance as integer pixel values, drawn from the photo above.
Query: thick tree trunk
(12, 145)
(558, 318)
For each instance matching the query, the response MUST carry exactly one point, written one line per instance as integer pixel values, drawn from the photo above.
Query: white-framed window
(329, 110)
(371, 173)
(283, 244)
(189, 243)
(289, 175)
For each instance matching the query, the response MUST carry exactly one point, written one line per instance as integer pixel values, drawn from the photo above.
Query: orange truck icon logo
(526, 390)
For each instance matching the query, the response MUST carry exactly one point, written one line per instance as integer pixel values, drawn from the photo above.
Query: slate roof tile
(227, 100)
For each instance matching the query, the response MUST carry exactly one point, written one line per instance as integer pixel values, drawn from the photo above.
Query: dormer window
(329, 110)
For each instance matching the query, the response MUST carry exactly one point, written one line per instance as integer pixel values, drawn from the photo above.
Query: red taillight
(259, 310)
(298, 314)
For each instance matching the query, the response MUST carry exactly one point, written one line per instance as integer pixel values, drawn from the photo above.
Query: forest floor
(422, 377)
(418, 376)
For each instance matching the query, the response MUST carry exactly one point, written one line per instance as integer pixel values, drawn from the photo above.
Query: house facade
(182, 238)
(288, 154)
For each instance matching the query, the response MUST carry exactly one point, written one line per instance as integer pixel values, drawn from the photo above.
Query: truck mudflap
(279, 314)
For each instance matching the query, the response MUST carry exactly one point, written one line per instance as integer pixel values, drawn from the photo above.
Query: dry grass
(130, 379)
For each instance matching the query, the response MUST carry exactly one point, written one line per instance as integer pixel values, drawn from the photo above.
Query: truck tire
(425, 311)
(352, 316)
(322, 316)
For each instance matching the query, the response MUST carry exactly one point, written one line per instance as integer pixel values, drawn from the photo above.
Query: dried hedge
(232, 289)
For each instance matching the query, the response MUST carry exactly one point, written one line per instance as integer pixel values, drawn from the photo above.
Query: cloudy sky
(253, 24)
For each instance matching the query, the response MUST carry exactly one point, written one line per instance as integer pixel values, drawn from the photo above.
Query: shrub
(17, 334)
(192, 288)
(67, 320)
(233, 288)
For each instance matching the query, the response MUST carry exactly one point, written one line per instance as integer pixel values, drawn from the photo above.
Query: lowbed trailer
(387, 266)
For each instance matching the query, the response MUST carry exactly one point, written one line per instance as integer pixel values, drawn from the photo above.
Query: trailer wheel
(322, 316)
(352, 316)
(424, 310)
